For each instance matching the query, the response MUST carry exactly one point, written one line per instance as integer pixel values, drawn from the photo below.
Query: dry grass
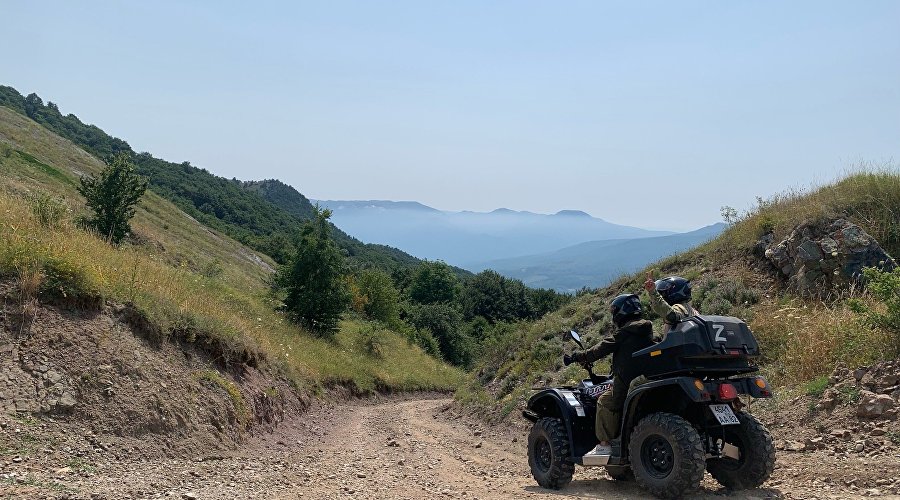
(868, 196)
(801, 341)
(165, 274)
(177, 301)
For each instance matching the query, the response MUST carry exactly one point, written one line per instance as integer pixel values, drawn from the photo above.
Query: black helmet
(625, 307)
(674, 289)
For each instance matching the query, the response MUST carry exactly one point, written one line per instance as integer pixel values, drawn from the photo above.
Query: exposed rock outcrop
(820, 257)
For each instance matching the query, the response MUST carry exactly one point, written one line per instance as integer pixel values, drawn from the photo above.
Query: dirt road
(396, 448)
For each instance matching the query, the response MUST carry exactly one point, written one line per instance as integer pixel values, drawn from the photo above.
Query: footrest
(594, 460)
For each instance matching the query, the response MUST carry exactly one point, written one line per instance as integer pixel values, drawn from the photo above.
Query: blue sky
(647, 113)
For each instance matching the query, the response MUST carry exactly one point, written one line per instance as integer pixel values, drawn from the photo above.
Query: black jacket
(633, 336)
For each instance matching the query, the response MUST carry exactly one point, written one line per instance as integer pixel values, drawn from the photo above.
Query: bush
(445, 323)
(425, 339)
(50, 211)
(724, 298)
(382, 300)
(885, 288)
(372, 341)
(765, 225)
(112, 196)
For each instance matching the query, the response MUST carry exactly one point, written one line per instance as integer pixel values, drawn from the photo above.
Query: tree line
(448, 316)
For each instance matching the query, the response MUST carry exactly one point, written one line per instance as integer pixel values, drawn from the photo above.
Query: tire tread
(562, 469)
(692, 457)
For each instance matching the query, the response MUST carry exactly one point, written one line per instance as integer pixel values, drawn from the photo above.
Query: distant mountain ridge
(595, 264)
(466, 237)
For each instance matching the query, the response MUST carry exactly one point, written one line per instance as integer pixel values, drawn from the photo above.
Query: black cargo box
(702, 345)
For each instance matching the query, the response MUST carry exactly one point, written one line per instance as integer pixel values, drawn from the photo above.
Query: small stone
(478, 444)
(361, 475)
(477, 433)
(794, 446)
(189, 496)
(814, 443)
(878, 431)
(841, 433)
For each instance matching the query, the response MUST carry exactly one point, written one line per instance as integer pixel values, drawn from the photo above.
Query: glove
(568, 360)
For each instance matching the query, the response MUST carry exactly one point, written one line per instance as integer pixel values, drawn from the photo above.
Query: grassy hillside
(184, 279)
(255, 214)
(801, 339)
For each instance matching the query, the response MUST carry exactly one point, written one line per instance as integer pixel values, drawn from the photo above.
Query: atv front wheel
(757, 455)
(548, 453)
(666, 455)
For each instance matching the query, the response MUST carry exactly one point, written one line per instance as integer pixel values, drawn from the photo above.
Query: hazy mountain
(463, 238)
(595, 263)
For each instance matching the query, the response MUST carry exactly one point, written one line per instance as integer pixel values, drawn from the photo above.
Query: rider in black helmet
(670, 298)
(633, 334)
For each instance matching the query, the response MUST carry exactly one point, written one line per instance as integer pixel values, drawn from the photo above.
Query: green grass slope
(801, 339)
(187, 280)
(261, 215)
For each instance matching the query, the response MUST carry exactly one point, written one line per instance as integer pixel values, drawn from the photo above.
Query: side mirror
(573, 335)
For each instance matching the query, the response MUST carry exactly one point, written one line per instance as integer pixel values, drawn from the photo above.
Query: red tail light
(727, 392)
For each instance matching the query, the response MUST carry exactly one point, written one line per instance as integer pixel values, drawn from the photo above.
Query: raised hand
(650, 284)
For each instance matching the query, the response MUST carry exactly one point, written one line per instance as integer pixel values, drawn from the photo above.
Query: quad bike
(685, 419)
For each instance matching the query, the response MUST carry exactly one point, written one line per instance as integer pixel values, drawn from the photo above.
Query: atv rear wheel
(548, 453)
(757, 460)
(666, 455)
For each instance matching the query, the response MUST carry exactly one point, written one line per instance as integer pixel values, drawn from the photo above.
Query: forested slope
(264, 216)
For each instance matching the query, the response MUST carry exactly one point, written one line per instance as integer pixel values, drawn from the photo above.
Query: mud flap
(731, 451)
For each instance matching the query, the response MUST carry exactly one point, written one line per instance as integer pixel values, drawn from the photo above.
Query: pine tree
(317, 293)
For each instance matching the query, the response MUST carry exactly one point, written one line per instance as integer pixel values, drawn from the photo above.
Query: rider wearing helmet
(633, 334)
(670, 298)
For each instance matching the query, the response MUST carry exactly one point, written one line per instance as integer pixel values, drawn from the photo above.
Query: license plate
(724, 415)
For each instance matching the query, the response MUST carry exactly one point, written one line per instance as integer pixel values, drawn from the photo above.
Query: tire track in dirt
(394, 448)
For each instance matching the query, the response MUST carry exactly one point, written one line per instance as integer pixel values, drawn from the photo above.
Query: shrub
(372, 341)
(212, 269)
(765, 225)
(112, 196)
(724, 298)
(885, 288)
(50, 211)
(445, 323)
(382, 300)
